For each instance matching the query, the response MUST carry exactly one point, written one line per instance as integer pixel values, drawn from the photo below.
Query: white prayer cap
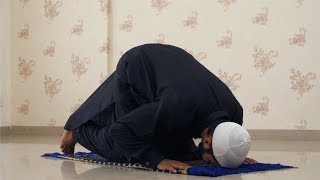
(230, 144)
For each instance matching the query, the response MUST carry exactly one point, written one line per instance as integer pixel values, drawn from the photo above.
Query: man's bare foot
(67, 143)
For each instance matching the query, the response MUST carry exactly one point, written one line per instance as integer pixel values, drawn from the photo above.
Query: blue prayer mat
(199, 168)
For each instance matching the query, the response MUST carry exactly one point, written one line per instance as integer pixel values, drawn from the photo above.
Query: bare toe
(67, 143)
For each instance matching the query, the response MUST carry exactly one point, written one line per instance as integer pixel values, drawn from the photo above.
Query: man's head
(229, 143)
(205, 147)
(206, 139)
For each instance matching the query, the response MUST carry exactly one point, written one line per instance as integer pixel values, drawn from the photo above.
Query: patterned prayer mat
(199, 168)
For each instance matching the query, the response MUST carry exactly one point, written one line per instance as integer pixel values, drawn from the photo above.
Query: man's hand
(172, 165)
(210, 159)
(249, 161)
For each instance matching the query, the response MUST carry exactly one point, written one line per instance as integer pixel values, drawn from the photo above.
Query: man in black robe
(149, 109)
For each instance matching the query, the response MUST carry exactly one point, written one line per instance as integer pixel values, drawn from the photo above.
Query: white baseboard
(256, 134)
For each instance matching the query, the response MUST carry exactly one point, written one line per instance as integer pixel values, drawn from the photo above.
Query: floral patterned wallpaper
(59, 57)
(4, 63)
(266, 51)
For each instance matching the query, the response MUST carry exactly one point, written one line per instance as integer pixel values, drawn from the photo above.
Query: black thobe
(150, 108)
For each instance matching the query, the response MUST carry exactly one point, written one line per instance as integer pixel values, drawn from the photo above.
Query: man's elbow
(119, 132)
(114, 131)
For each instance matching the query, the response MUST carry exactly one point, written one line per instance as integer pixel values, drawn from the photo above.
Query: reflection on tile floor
(20, 159)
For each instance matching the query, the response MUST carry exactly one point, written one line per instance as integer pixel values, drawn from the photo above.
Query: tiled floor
(20, 160)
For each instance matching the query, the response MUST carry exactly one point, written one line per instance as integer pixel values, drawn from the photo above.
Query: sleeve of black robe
(134, 133)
